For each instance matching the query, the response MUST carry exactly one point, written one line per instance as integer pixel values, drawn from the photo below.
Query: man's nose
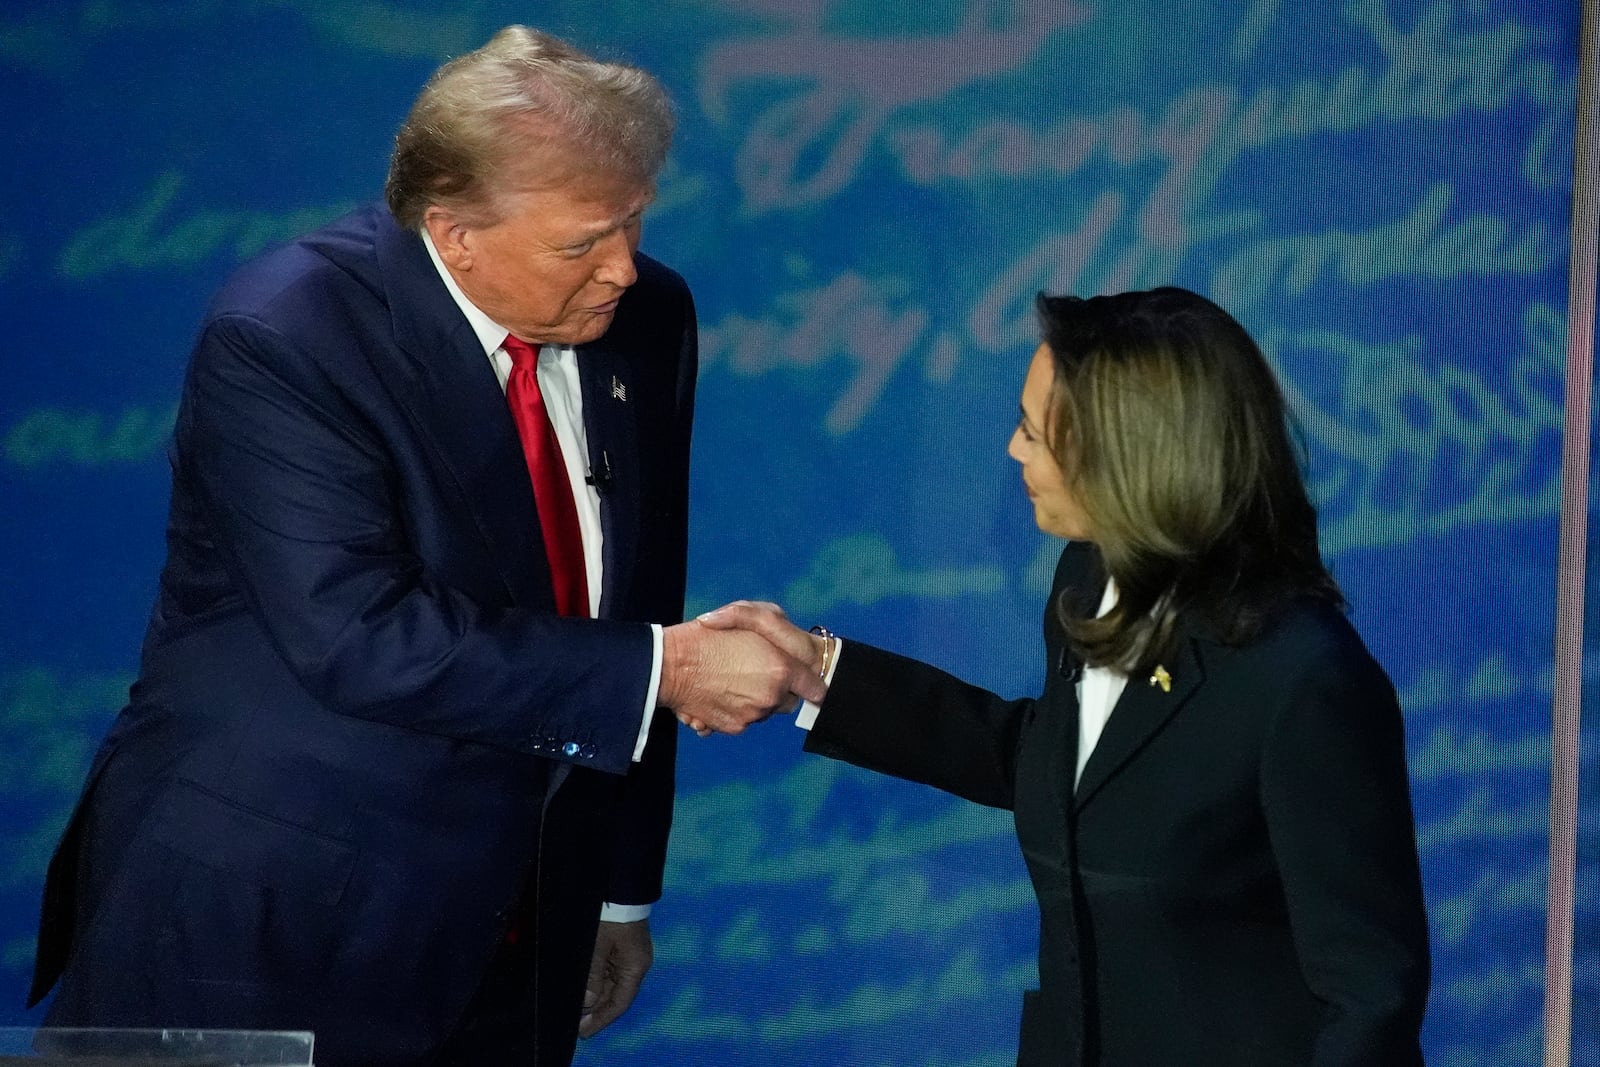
(616, 263)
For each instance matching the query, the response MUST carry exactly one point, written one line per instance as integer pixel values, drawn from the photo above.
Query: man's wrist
(674, 664)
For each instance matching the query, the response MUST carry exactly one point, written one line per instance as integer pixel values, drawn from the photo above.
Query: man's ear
(449, 237)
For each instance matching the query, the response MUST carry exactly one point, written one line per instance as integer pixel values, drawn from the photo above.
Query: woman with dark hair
(1211, 792)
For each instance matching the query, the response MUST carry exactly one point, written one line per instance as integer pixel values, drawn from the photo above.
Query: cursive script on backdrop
(846, 96)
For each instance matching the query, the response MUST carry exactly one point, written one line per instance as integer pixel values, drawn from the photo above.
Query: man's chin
(582, 328)
(599, 322)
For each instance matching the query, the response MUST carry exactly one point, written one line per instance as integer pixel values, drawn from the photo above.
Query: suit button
(587, 751)
(570, 748)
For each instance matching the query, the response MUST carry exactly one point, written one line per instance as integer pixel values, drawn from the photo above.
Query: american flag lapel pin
(618, 390)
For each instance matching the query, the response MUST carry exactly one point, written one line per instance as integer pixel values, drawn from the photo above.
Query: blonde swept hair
(526, 104)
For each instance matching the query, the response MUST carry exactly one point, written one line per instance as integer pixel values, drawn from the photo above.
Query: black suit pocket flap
(214, 831)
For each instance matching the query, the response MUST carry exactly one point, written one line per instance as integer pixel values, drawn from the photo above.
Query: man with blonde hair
(397, 736)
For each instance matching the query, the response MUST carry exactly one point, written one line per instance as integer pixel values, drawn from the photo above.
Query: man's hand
(768, 619)
(622, 954)
(725, 679)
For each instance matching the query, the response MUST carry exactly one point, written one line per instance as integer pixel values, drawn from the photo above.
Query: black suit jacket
(1233, 882)
(360, 732)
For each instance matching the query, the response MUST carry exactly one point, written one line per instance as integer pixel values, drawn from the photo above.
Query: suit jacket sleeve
(311, 518)
(901, 717)
(1338, 811)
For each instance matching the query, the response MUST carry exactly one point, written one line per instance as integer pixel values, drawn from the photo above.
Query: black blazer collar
(1145, 707)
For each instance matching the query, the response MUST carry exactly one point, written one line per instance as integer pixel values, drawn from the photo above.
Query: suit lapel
(449, 387)
(609, 403)
(1140, 713)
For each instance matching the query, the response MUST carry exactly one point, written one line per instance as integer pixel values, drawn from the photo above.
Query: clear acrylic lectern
(28, 1047)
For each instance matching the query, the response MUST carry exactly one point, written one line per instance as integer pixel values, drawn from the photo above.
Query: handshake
(738, 665)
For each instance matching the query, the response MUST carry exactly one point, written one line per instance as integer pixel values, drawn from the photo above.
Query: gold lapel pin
(1161, 678)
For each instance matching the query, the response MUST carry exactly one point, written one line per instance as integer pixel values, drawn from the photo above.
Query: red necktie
(552, 490)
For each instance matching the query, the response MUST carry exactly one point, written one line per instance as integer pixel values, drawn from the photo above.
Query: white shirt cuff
(650, 694)
(624, 913)
(806, 717)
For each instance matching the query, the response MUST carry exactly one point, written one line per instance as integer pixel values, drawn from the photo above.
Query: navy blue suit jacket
(360, 732)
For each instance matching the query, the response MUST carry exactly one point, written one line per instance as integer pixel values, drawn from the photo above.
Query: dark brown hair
(1171, 430)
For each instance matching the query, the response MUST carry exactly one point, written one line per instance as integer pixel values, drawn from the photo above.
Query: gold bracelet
(829, 646)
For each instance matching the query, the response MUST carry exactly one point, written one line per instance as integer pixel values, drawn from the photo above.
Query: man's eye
(579, 250)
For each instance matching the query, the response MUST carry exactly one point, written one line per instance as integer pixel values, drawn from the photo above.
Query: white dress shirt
(1098, 691)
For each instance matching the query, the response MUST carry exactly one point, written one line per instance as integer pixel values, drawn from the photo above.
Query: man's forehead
(592, 199)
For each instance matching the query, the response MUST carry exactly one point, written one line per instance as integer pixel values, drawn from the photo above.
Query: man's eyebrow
(601, 229)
